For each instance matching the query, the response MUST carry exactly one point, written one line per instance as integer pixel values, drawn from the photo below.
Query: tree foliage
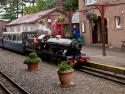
(40, 5)
(70, 5)
(48, 4)
(12, 9)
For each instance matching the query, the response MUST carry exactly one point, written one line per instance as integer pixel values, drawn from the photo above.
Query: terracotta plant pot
(65, 78)
(32, 67)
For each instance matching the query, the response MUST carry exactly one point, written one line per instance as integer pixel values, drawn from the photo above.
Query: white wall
(22, 28)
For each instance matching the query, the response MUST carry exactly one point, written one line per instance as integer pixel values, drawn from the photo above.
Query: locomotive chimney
(59, 4)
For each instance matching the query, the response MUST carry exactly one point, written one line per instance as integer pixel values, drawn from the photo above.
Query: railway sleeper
(104, 74)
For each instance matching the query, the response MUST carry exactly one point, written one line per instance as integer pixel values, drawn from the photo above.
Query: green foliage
(92, 17)
(3, 2)
(67, 34)
(51, 4)
(70, 5)
(29, 10)
(42, 21)
(48, 4)
(61, 19)
(11, 9)
(9, 16)
(32, 59)
(40, 5)
(45, 4)
(64, 66)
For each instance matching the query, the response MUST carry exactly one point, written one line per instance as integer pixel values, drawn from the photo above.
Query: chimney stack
(59, 4)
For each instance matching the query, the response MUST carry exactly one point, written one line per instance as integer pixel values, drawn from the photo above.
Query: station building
(32, 22)
(90, 22)
(3, 26)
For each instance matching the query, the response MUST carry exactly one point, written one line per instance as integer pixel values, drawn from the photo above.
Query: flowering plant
(42, 21)
(60, 19)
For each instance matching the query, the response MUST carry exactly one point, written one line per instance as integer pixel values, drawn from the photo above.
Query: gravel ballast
(45, 79)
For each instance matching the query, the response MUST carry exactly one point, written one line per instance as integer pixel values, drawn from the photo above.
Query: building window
(117, 22)
(25, 28)
(88, 2)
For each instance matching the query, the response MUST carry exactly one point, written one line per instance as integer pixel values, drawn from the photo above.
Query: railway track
(104, 74)
(8, 86)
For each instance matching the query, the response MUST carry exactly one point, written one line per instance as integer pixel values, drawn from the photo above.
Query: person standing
(36, 41)
(76, 32)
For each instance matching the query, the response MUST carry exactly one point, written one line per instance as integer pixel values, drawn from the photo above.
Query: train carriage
(54, 49)
(15, 41)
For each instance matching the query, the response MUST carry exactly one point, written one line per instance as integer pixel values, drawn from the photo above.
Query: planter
(32, 67)
(32, 61)
(66, 78)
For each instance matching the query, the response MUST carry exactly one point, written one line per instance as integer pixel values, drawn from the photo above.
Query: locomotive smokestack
(59, 4)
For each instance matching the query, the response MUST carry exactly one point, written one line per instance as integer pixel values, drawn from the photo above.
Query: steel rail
(5, 89)
(14, 83)
(103, 74)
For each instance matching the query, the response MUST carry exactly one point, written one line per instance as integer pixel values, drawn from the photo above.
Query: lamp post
(69, 15)
(102, 9)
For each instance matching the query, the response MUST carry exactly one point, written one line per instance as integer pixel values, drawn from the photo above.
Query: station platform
(114, 60)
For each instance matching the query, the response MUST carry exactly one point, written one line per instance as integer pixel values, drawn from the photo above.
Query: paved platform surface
(114, 57)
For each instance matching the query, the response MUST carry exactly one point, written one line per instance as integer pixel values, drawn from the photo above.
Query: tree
(48, 4)
(70, 5)
(11, 9)
(40, 5)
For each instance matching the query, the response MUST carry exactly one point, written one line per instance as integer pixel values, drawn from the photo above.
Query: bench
(123, 45)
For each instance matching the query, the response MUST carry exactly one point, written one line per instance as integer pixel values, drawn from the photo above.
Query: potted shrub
(32, 61)
(65, 73)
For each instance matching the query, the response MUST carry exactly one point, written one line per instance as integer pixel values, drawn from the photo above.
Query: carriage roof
(12, 33)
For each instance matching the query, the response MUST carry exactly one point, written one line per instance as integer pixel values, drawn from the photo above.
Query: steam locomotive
(54, 49)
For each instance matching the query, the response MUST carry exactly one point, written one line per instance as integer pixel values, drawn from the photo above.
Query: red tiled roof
(29, 18)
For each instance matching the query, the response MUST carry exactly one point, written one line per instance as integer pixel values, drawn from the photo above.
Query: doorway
(97, 33)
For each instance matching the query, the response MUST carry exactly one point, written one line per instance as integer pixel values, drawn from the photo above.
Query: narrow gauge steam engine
(54, 49)
(66, 49)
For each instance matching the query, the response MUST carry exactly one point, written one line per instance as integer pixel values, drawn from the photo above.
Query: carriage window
(9, 37)
(5, 37)
(14, 37)
(18, 38)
